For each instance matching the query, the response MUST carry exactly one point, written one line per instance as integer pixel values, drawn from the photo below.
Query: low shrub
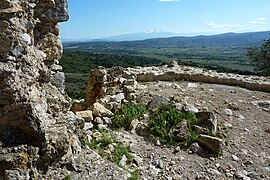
(165, 119)
(135, 175)
(67, 177)
(116, 155)
(104, 141)
(118, 152)
(126, 114)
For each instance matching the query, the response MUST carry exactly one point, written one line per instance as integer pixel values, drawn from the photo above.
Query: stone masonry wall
(102, 79)
(33, 106)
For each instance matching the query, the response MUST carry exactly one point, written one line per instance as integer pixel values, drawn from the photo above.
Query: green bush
(260, 56)
(165, 119)
(135, 175)
(127, 113)
(67, 177)
(118, 152)
(75, 85)
(105, 140)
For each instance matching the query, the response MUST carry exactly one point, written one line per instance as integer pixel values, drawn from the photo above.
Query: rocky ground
(247, 154)
(243, 119)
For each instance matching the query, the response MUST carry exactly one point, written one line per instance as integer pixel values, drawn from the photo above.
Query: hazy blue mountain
(141, 36)
(127, 37)
(227, 39)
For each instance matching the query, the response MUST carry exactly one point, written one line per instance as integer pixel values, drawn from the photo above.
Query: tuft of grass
(165, 119)
(118, 152)
(126, 114)
(135, 175)
(116, 155)
(67, 177)
(191, 138)
(103, 142)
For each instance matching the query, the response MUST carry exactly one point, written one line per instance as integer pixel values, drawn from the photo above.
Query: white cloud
(257, 22)
(214, 25)
(260, 20)
(168, 0)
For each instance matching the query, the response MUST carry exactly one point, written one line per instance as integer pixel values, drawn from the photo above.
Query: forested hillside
(77, 65)
(224, 53)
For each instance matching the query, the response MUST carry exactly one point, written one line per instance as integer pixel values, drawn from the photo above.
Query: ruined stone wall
(178, 73)
(33, 105)
(100, 79)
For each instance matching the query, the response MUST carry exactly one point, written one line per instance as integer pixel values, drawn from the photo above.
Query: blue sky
(105, 18)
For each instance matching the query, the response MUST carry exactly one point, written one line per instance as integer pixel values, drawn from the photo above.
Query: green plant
(135, 175)
(116, 155)
(118, 152)
(67, 177)
(217, 134)
(260, 56)
(93, 144)
(102, 153)
(127, 113)
(165, 119)
(102, 142)
(192, 137)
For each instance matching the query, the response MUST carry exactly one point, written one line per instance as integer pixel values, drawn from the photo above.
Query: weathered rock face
(33, 105)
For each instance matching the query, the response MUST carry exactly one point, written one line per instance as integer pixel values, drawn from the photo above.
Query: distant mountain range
(128, 37)
(141, 36)
(227, 39)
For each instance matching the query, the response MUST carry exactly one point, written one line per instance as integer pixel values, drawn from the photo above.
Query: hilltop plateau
(157, 122)
(241, 121)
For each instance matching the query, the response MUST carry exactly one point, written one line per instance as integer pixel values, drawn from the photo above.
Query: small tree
(260, 56)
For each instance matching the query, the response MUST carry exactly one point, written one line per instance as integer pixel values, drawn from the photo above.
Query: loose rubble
(225, 120)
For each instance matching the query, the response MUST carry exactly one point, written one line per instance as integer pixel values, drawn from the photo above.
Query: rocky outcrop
(35, 124)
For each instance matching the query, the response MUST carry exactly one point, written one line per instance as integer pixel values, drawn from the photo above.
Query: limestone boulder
(143, 129)
(86, 115)
(95, 86)
(131, 82)
(58, 12)
(211, 143)
(117, 98)
(190, 108)
(129, 89)
(156, 102)
(99, 110)
(133, 125)
(207, 120)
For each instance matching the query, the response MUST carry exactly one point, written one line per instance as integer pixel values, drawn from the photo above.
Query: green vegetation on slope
(260, 56)
(81, 62)
(127, 113)
(77, 65)
(223, 53)
(165, 119)
(101, 145)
